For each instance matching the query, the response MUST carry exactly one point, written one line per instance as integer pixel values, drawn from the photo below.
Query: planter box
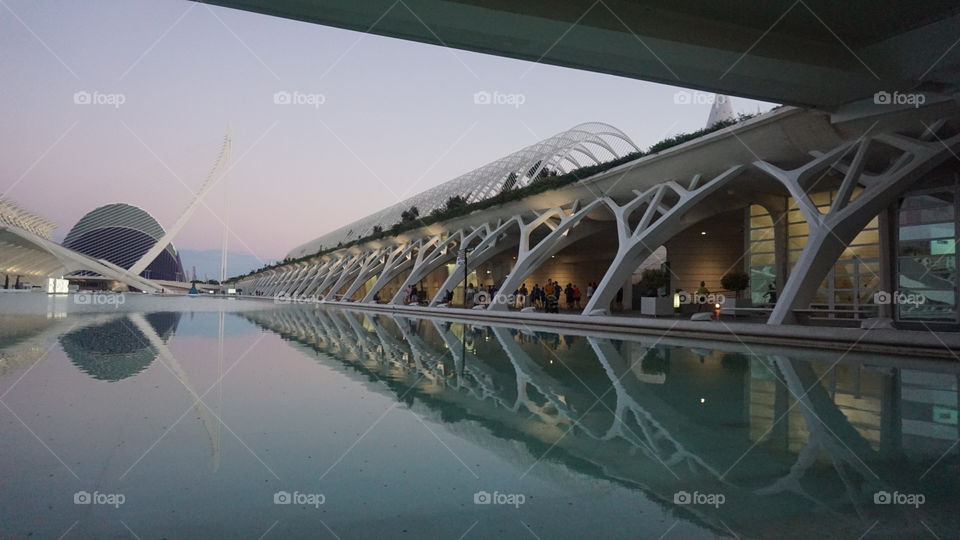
(730, 303)
(658, 306)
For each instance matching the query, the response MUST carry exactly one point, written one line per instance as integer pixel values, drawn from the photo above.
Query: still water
(224, 418)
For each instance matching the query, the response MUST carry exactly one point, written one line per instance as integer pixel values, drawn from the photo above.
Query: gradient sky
(398, 117)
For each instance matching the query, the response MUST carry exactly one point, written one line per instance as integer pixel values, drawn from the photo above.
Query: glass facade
(848, 290)
(927, 256)
(761, 255)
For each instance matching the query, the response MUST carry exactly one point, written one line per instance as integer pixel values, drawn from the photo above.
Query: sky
(376, 119)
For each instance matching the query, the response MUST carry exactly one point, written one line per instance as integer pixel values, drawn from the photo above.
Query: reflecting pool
(223, 418)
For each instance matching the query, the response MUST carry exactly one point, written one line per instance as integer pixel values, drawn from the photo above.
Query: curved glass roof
(583, 145)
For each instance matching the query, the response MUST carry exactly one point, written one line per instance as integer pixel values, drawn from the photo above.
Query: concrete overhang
(815, 53)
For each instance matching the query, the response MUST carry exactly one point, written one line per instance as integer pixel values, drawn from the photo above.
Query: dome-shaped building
(122, 234)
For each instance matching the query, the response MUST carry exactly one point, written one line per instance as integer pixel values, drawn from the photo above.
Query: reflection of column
(891, 417)
(779, 438)
(887, 260)
(162, 350)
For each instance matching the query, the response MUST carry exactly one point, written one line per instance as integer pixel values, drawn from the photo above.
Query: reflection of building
(122, 234)
(659, 416)
(118, 349)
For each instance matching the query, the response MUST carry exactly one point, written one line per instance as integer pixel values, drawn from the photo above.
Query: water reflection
(117, 349)
(806, 442)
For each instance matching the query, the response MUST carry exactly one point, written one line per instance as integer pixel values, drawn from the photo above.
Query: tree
(735, 281)
(409, 215)
(653, 279)
(455, 202)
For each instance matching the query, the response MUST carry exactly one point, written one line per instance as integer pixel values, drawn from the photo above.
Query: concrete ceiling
(813, 53)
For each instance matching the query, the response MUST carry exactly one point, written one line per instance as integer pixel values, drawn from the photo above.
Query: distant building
(121, 234)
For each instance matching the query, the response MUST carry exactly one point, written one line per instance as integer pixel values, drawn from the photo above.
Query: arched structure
(122, 234)
(586, 144)
(820, 187)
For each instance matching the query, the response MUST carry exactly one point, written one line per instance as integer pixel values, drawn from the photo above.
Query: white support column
(351, 271)
(831, 233)
(321, 273)
(397, 261)
(328, 288)
(657, 225)
(530, 258)
(315, 267)
(491, 245)
(429, 258)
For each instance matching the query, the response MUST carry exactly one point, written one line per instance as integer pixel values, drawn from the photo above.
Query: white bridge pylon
(216, 174)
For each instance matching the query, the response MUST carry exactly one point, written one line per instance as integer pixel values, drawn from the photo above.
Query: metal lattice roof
(14, 215)
(586, 144)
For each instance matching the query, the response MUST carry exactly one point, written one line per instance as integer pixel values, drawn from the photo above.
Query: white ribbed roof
(587, 144)
(12, 214)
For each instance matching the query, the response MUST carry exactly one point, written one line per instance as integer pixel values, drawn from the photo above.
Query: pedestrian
(568, 292)
(576, 297)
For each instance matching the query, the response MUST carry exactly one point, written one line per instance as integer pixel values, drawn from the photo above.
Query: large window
(927, 256)
(855, 278)
(848, 290)
(762, 256)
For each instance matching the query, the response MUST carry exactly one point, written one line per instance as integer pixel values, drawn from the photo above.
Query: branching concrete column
(347, 270)
(831, 232)
(397, 261)
(530, 258)
(430, 257)
(660, 221)
(494, 242)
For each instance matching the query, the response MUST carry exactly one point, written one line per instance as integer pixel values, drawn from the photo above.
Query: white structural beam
(492, 242)
(658, 223)
(831, 232)
(215, 175)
